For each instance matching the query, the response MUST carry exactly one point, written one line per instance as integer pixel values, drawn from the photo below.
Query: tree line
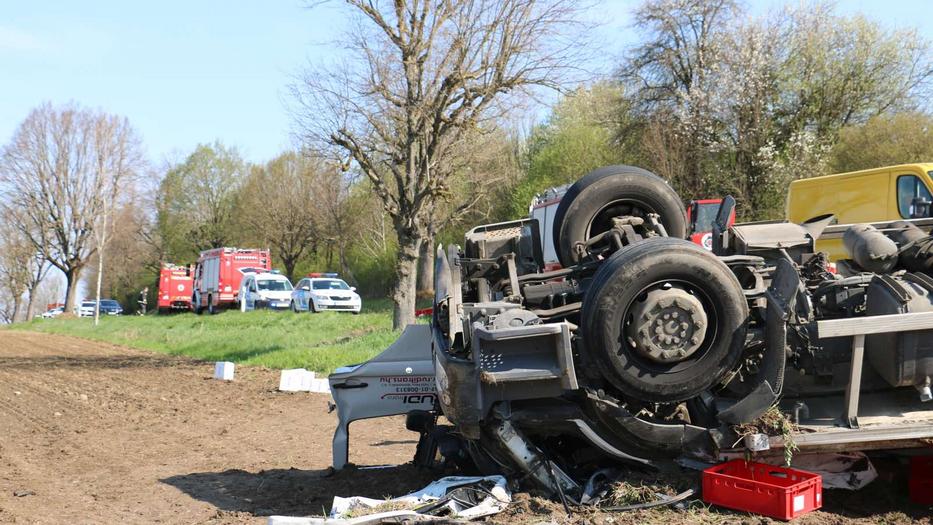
(417, 131)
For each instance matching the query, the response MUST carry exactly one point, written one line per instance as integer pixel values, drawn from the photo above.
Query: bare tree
(197, 199)
(22, 267)
(15, 254)
(282, 203)
(38, 269)
(342, 215)
(420, 76)
(59, 172)
(484, 166)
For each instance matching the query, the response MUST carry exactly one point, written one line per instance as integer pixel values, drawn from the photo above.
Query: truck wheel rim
(602, 219)
(668, 326)
(666, 358)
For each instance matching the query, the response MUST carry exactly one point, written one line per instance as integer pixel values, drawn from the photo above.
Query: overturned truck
(644, 345)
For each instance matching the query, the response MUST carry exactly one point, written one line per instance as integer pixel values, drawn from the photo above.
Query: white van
(265, 290)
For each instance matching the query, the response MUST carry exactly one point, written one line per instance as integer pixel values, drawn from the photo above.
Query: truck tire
(211, 309)
(589, 205)
(664, 320)
(196, 304)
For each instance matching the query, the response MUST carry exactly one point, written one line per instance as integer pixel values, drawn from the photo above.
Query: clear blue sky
(194, 71)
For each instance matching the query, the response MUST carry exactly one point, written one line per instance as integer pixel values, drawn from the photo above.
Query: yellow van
(877, 195)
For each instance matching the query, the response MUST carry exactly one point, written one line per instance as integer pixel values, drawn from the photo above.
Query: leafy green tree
(744, 106)
(884, 140)
(282, 204)
(580, 135)
(197, 201)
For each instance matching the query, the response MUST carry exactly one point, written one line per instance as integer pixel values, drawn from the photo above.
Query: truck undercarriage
(644, 346)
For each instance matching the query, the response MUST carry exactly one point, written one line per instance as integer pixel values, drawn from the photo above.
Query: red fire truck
(218, 274)
(701, 214)
(175, 287)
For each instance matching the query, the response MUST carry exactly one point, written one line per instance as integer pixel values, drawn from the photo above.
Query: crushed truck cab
(644, 345)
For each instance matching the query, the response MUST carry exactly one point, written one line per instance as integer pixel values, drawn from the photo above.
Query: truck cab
(701, 214)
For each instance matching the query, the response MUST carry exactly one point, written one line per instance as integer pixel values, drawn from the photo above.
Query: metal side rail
(858, 328)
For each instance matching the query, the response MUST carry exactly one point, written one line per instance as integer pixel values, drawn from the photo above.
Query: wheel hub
(668, 326)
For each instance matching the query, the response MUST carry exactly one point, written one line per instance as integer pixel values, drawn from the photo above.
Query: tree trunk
(71, 288)
(345, 270)
(100, 274)
(426, 267)
(30, 303)
(289, 264)
(406, 274)
(17, 305)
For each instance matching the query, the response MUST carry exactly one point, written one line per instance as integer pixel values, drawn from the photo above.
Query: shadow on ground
(296, 492)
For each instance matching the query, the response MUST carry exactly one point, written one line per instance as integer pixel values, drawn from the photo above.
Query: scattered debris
(843, 470)
(296, 380)
(23, 493)
(451, 497)
(772, 422)
(223, 370)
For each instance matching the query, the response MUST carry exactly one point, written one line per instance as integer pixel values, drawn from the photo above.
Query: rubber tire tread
(604, 185)
(626, 273)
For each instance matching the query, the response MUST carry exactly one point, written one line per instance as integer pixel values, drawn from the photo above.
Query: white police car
(325, 291)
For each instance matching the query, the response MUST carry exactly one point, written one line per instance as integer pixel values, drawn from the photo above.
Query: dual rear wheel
(663, 320)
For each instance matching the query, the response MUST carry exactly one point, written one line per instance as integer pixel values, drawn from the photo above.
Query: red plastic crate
(921, 480)
(777, 492)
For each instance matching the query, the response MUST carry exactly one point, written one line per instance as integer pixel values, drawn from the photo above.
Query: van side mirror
(920, 208)
(353, 288)
(306, 287)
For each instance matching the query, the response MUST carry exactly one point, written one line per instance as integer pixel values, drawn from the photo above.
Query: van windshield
(274, 285)
(911, 194)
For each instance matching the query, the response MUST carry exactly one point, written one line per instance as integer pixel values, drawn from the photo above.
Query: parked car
(264, 290)
(53, 312)
(325, 291)
(107, 307)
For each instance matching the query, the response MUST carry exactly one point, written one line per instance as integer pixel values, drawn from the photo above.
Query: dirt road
(94, 433)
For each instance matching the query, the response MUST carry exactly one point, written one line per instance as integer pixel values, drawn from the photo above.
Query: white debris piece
(491, 494)
(321, 386)
(223, 370)
(296, 380)
(840, 470)
(757, 442)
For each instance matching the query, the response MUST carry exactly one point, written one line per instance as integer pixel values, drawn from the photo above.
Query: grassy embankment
(319, 342)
